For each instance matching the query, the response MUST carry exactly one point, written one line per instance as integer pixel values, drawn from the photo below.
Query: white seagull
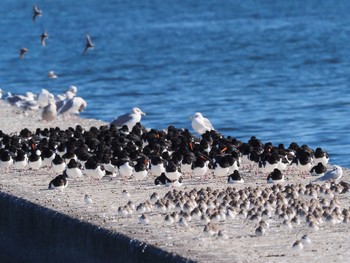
(129, 119)
(201, 124)
(50, 111)
(73, 106)
(335, 174)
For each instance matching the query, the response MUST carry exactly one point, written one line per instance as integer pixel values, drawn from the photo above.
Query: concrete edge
(34, 233)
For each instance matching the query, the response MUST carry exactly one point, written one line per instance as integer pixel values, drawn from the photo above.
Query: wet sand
(329, 243)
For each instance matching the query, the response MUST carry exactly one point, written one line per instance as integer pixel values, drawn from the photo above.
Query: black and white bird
(36, 12)
(235, 178)
(172, 171)
(22, 51)
(125, 168)
(186, 164)
(69, 155)
(321, 156)
(34, 159)
(20, 160)
(43, 38)
(59, 182)
(5, 159)
(47, 155)
(73, 169)
(275, 177)
(93, 169)
(157, 166)
(221, 166)
(318, 170)
(140, 170)
(200, 167)
(161, 180)
(89, 44)
(58, 165)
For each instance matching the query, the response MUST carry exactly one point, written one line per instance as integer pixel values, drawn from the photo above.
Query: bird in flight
(43, 38)
(22, 51)
(89, 44)
(36, 12)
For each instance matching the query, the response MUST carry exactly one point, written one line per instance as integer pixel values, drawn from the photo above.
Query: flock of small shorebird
(127, 150)
(38, 13)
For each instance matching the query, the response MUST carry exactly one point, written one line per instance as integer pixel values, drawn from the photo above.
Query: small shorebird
(87, 200)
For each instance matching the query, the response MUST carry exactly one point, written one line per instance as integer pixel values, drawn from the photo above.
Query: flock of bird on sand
(127, 150)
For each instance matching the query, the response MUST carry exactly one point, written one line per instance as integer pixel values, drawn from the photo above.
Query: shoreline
(330, 243)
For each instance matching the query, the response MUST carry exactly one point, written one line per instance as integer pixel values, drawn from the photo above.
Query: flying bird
(89, 44)
(22, 51)
(43, 38)
(36, 12)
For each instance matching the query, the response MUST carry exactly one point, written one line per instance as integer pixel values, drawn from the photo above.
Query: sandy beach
(330, 243)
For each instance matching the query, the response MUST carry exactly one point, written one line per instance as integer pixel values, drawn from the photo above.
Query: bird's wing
(119, 122)
(208, 124)
(66, 106)
(88, 40)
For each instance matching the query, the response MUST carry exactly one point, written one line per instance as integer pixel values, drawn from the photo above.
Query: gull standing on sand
(201, 124)
(335, 174)
(72, 106)
(50, 111)
(129, 119)
(89, 44)
(43, 98)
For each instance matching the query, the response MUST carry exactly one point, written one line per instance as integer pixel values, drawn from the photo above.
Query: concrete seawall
(32, 233)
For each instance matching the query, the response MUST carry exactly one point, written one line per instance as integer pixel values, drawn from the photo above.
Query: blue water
(278, 70)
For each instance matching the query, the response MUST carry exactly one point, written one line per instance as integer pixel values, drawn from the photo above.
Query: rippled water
(278, 70)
